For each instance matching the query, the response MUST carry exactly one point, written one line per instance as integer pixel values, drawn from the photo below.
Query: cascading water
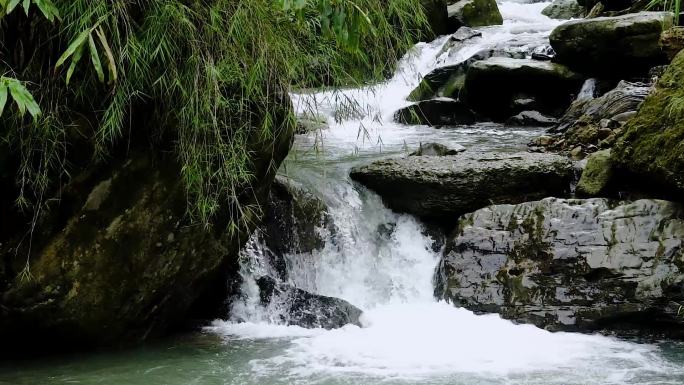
(407, 335)
(383, 263)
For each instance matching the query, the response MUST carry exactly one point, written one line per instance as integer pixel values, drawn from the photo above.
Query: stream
(407, 337)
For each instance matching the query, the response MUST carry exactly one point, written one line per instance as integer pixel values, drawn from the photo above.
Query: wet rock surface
(443, 187)
(531, 119)
(295, 221)
(571, 265)
(436, 149)
(301, 308)
(436, 112)
(613, 47)
(593, 124)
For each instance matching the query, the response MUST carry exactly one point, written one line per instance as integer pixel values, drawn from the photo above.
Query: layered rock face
(442, 187)
(571, 265)
(614, 47)
(652, 146)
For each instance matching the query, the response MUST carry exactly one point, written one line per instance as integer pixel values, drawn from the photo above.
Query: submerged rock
(492, 85)
(436, 112)
(301, 308)
(474, 13)
(612, 47)
(651, 149)
(444, 187)
(436, 149)
(564, 9)
(571, 265)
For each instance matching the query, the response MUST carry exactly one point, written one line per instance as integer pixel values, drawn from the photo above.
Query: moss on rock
(652, 145)
(596, 175)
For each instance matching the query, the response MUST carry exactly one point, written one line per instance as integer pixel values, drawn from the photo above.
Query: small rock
(436, 149)
(603, 133)
(624, 117)
(577, 153)
(301, 308)
(596, 175)
(531, 119)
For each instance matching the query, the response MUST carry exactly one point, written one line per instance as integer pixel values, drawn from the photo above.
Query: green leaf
(74, 61)
(48, 9)
(95, 58)
(12, 4)
(27, 5)
(3, 95)
(73, 47)
(111, 64)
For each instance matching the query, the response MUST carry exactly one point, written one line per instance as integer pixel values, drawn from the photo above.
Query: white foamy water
(383, 262)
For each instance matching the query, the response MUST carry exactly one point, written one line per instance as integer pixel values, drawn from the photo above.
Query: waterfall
(383, 262)
(588, 90)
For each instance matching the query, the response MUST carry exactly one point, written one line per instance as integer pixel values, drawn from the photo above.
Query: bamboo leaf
(19, 98)
(12, 4)
(3, 95)
(73, 47)
(111, 64)
(95, 58)
(74, 61)
(48, 9)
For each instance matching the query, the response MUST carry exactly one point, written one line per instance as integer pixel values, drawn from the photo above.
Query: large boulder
(442, 187)
(436, 112)
(564, 9)
(492, 85)
(612, 47)
(117, 259)
(293, 306)
(651, 149)
(474, 13)
(571, 265)
(448, 81)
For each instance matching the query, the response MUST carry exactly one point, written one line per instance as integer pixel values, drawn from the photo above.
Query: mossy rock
(652, 144)
(564, 9)
(596, 175)
(474, 13)
(612, 47)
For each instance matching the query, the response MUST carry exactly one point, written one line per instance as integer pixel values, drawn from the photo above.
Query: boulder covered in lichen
(575, 265)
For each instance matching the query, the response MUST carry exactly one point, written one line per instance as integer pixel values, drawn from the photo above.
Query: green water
(207, 359)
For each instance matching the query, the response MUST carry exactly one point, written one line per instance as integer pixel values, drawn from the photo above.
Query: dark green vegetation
(154, 130)
(652, 145)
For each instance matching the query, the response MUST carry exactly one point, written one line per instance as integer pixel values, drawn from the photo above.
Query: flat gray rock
(444, 187)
